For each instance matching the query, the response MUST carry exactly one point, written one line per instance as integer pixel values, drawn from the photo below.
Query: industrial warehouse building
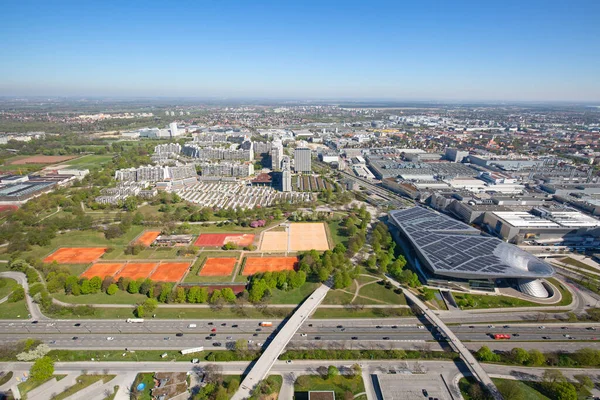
(444, 249)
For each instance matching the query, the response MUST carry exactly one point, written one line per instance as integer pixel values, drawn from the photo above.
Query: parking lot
(407, 386)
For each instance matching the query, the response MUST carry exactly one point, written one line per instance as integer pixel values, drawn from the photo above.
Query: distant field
(90, 161)
(38, 160)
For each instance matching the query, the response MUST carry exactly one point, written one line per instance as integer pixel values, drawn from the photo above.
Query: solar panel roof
(452, 248)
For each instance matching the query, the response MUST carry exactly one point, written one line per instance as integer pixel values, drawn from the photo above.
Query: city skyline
(466, 51)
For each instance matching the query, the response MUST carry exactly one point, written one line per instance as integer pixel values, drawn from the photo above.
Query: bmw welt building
(443, 248)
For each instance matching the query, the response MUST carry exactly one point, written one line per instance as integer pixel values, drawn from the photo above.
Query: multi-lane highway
(162, 334)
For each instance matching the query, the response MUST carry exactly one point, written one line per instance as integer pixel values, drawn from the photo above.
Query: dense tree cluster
(261, 285)
(330, 263)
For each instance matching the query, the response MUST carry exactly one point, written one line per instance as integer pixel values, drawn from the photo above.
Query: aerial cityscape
(313, 201)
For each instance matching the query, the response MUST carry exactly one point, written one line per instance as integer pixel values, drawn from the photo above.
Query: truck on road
(266, 323)
(135, 320)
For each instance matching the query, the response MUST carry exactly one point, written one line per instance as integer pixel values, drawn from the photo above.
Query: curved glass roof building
(450, 248)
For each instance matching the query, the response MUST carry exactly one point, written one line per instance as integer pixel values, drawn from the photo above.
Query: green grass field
(339, 297)
(337, 233)
(83, 381)
(89, 162)
(529, 392)
(294, 296)
(29, 385)
(186, 313)
(379, 292)
(120, 297)
(339, 384)
(567, 297)
(7, 285)
(325, 313)
(16, 310)
(493, 301)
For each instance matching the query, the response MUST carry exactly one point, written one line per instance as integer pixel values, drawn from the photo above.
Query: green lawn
(7, 285)
(339, 384)
(325, 313)
(567, 297)
(16, 310)
(294, 296)
(337, 233)
(91, 161)
(148, 379)
(495, 301)
(83, 381)
(138, 355)
(579, 264)
(120, 297)
(529, 392)
(29, 385)
(379, 292)
(339, 297)
(249, 311)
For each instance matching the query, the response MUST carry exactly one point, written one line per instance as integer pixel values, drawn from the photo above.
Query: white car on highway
(110, 338)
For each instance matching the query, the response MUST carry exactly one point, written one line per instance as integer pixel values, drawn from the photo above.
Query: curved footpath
(21, 278)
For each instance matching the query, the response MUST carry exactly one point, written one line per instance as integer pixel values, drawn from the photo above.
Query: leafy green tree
(17, 294)
(486, 355)
(180, 295)
(228, 295)
(216, 296)
(95, 284)
(332, 372)
(536, 358)
(112, 289)
(428, 294)
(149, 305)
(134, 287)
(511, 390)
(42, 369)
(85, 287)
(519, 355)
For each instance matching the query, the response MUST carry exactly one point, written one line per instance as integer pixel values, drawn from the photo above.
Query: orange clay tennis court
(136, 270)
(147, 238)
(102, 270)
(219, 239)
(169, 272)
(308, 236)
(75, 255)
(269, 264)
(218, 266)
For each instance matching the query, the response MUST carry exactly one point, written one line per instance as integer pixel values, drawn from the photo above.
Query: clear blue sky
(421, 50)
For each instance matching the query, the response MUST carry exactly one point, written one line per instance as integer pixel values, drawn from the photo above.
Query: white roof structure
(522, 219)
(574, 219)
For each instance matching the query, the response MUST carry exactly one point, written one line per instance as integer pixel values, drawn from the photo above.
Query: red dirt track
(219, 239)
(75, 255)
(42, 160)
(269, 264)
(136, 270)
(102, 270)
(218, 267)
(170, 272)
(147, 238)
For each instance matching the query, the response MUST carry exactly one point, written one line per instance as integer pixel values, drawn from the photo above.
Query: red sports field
(75, 255)
(219, 239)
(269, 264)
(136, 270)
(147, 238)
(102, 270)
(169, 272)
(218, 267)
(41, 160)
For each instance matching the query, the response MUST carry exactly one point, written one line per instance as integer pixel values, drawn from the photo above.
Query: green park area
(330, 378)
(83, 381)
